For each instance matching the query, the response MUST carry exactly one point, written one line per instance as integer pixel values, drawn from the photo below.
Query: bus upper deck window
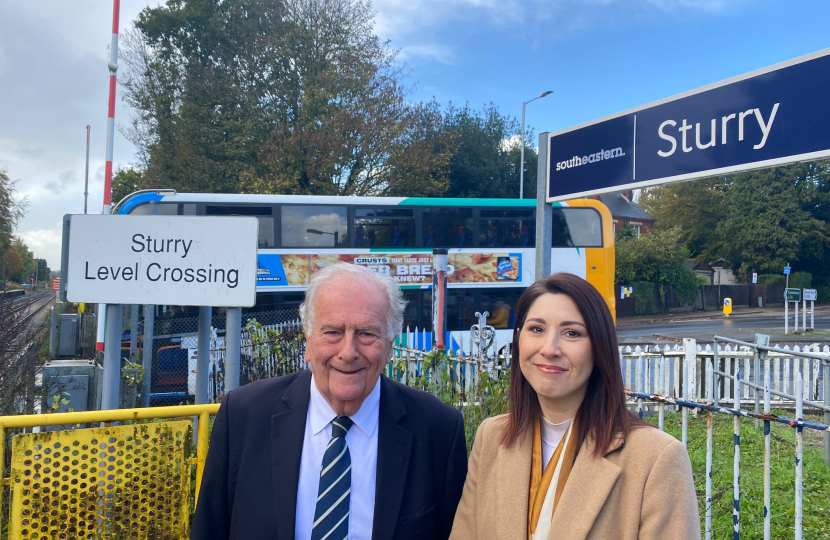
(263, 213)
(506, 228)
(448, 227)
(314, 226)
(155, 209)
(384, 227)
(576, 227)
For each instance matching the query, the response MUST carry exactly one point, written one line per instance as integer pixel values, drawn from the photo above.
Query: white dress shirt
(362, 440)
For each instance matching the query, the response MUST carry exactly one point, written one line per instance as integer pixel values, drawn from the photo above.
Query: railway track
(30, 306)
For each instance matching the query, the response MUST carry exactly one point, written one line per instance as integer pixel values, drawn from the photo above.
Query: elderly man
(340, 451)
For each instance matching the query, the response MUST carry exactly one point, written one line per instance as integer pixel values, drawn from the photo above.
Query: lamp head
(545, 93)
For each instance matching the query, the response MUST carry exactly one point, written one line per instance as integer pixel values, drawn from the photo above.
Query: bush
(644, 298)
(801, 280)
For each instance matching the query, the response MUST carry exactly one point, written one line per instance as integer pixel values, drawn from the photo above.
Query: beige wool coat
(642, 489)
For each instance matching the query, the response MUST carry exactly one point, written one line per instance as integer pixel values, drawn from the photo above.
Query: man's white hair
(388, 287)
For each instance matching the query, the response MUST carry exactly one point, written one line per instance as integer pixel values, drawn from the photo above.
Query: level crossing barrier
(130, 478)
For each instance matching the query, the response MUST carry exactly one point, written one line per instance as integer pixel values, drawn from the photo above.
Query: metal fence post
(233, 346)
(111, 377)
(757, 356)
(827, 413)
(203, 355)
(134, 334)
(709, 450)
(52, 333)
(736, 476)
(147, 353)
(799, 457)
(767, 456)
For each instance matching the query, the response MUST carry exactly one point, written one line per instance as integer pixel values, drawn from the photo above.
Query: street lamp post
(335, 234)
(522, 165)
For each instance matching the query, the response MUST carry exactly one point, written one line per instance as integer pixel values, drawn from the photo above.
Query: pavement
(743, 324)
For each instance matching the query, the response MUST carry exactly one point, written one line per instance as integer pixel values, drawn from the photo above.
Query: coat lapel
(512, 496)
(394, 447)
(287, 431)
(589, 485)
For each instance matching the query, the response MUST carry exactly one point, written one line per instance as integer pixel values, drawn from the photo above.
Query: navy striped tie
(331, 518)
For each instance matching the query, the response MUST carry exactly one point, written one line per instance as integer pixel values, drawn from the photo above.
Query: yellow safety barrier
(126, 481)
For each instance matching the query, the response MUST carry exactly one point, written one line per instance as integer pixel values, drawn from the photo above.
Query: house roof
(621, 207)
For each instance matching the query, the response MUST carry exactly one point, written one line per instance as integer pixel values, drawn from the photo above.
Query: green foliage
(801, 280)
(125, 181)
(782, 476)
(757, 221)
(643, 294)
(659, 258)
(486, 163)
(11, 210)
(298, 97)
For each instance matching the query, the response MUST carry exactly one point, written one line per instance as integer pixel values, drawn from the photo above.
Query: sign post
(810, 295)
(769, 117)
(794, 296)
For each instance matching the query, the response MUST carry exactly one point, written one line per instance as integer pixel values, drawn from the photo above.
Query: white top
(362, 440)
(551, 435)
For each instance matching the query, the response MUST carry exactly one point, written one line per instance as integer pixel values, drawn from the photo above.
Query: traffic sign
(172, 260)
(810, 295)
(792, 295)
(754, 277)
(56, 284)
(787, 270)
(766, 118)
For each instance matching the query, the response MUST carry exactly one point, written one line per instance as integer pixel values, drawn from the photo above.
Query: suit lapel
(394, 448)
(287, 432)
(589, 485)
(512, 496)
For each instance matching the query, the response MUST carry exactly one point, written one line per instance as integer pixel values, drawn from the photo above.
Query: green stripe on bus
(431, 201)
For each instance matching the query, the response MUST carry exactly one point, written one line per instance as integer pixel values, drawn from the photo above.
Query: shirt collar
(366, 419)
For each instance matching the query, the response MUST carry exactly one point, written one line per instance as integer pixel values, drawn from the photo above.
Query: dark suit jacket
(249, 487)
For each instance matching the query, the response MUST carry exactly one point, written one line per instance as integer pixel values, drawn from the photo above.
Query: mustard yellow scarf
(540, 484)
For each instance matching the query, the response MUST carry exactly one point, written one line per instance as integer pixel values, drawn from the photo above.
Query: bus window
(263, 213)
(448, 227)
(507, 228)
(155, 209)
(576, 227)
(314, 226)
(384, 227)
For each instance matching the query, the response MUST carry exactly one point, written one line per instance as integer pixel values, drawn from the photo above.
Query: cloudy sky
(598, 56)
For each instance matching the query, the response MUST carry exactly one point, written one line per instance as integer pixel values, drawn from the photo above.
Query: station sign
(792, 295)
(172, 260)
(810, 295)
(769, 117)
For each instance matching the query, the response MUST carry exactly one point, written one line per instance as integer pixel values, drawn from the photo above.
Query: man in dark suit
(338, 452)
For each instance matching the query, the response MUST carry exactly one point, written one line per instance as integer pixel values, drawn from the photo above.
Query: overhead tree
(485, 163)
(696, 208)
(125, 181)
(11, 210)
(769, 224)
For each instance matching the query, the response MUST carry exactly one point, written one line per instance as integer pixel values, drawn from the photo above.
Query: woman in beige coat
(569, 462)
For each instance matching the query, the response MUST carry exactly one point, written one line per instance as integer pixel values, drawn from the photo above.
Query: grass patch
(816, 490)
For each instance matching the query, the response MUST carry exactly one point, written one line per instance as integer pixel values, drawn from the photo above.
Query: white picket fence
(653, 369)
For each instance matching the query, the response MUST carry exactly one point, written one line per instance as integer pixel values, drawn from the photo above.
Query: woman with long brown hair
(569, 461)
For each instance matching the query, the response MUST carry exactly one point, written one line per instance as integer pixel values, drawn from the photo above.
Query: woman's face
(555, 355)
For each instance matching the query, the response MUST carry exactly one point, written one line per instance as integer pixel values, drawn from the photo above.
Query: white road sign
(810, 295)
(172, 260)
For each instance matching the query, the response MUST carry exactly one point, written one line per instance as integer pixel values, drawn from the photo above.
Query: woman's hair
(603, 414)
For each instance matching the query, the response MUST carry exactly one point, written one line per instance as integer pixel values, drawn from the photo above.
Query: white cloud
(65, 179)
(46, 244)
(438, 53)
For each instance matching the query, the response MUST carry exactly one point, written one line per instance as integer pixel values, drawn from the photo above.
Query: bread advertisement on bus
(295, 269)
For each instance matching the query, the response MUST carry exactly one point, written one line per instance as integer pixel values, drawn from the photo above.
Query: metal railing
(34, 466)
(713, 379)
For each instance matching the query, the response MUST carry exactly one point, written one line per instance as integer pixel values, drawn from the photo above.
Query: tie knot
(340, 426)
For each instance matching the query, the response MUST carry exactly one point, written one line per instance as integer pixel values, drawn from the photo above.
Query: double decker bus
(491, 245)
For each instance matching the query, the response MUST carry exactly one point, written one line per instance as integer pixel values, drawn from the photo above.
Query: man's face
(348, 346)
